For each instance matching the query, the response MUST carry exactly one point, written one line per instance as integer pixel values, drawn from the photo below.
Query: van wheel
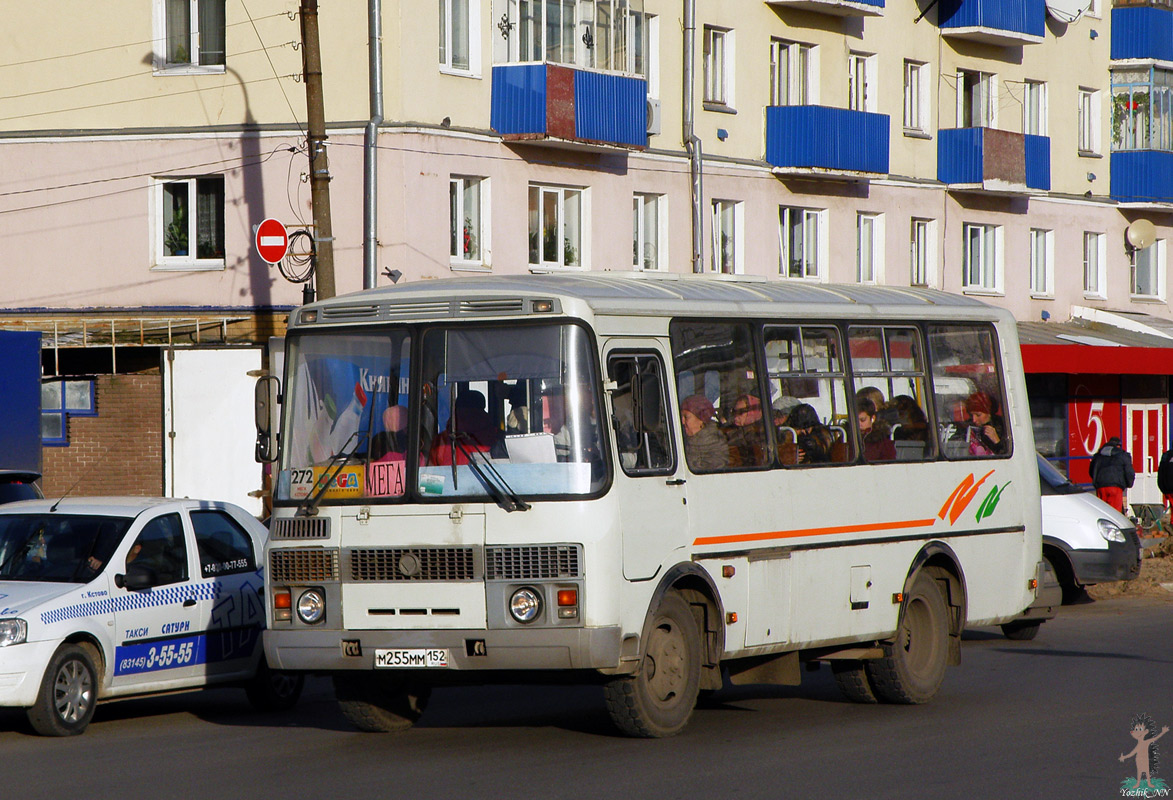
(852, 679)
(380, 703)
(273, 690)
(69, 693)
(913, 666)
(659, 699)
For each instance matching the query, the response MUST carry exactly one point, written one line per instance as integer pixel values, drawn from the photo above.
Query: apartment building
(1016, 150)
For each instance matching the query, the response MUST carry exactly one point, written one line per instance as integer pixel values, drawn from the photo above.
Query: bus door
(650, 480)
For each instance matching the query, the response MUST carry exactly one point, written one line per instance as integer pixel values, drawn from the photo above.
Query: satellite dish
(1141, 234)
(1067, 10)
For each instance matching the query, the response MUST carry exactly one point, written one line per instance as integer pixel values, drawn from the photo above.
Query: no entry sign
(272, 241)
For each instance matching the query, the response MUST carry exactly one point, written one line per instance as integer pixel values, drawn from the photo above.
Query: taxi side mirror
(137, 578)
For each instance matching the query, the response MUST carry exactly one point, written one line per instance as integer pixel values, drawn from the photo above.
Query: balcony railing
(1002, 22)
(824, 138)
(839, 8)
(1142, 176)
(993, 160)
(538, 102)
(1142, 32)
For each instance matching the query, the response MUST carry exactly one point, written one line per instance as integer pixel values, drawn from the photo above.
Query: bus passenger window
(640, 415)
(968, 392)
(890, 393)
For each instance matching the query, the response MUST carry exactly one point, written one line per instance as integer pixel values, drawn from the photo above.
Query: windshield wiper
(501, 492)
(309, 506)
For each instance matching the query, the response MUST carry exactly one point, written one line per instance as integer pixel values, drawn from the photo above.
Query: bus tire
(1022, 631)
(852, 679)
(69, 693)
(658, 700)
(378, 703)
(913, 666)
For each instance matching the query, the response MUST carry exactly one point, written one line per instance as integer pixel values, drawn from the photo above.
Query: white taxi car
(108, 598)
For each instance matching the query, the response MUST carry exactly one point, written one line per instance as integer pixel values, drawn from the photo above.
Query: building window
(1142, 108)
(977, 105)
(982, 267)
(869, 248)
(557, 218)
(192, 34)
(1089, 121)
(916, 95)
(798, 237)
(596, 34)
(860, 80)
(1042, 262)
(1034, 108)
(642, 48)
(790, 73)
(717, 58)
(1148, 271)
(649, 221)
(921, 240)
(1094, 277)
(189, 213)
(726, 249)
(61, 400)
(460, 26)
(468, 221)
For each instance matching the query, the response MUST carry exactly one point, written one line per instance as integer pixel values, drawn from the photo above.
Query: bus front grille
(533, 562)
(303, 565)
(412, 564)
(301, 528)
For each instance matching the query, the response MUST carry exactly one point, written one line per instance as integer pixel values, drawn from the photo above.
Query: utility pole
(316, 140)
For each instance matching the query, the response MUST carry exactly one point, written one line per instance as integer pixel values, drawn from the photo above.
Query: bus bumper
(531, 649)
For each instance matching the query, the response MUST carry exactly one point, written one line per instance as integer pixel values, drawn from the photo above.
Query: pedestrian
(1112, 473)
(1165, 477)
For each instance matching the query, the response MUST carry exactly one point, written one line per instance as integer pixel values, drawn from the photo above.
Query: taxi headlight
(13, 631)
(311, 606)
(525, 605)
(1111, 531)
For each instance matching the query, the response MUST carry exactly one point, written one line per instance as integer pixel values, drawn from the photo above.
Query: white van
(1085, 540)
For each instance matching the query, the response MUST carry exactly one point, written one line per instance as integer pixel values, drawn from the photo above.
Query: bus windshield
(491, 411)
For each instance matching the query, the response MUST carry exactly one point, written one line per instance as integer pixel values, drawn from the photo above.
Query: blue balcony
(1142, 176)
(563, 105)
(1002, 22)
(813, 138)
(993, 160)
(1142, 33)
(838, 8)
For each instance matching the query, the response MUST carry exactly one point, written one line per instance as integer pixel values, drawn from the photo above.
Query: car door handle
(189, 602)
(675, 482)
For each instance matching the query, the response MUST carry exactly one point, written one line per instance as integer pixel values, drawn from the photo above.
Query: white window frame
(989, 243)
(982, 103)
(1095, 247)
(813, 242)
(1155, 252)
(583, 224)
(190, 262)
(1088, 125)
(717, 56)
(916, 97)
(922, 247)
(1041, 246)
(791, 69)
(861, 81)
(447, 33)
(651, 58)
(869, 247)
(642, 238)
(717, 219)
(161, 64)
(1034, 108)
(478, 186)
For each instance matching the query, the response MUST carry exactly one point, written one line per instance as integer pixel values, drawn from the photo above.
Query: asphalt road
(1047, 718)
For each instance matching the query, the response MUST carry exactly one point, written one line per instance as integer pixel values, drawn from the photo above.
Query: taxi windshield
(57, 548)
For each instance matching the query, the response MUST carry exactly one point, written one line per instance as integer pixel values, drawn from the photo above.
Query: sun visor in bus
(520, 353)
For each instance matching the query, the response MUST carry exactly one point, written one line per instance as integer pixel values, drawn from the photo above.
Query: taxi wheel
(380, 703)
(273, 690)
(69, 692)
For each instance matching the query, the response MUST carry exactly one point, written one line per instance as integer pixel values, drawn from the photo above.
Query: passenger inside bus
(471, 428)
(987, 430)
(747, 435)
(390, 444)
(815, 439)
(877, 444)
(705, 448)
(518, 419)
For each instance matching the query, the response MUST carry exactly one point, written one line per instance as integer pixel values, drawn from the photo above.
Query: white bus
(649, 481)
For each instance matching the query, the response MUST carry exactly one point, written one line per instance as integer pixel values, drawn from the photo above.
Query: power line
(292, 113)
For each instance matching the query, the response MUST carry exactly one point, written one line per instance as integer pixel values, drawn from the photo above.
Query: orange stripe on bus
(758, 537)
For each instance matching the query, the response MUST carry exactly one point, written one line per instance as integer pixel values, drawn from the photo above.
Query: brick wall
(120, 451)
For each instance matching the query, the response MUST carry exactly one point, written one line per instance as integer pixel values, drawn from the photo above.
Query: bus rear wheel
(380, 703)
(913, 666)
(658, 700)
(852, 679)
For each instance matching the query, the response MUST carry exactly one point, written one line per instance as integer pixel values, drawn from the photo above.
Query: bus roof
(642, 294)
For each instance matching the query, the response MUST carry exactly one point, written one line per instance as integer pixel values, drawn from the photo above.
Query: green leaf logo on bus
(964, 494)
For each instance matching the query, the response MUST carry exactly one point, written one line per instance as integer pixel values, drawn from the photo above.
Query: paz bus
(653, 482)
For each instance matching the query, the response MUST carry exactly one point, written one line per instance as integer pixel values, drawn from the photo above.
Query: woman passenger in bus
(474, 430)
(391, 443)
(913, 425)
(747, 437)
(704, 447)
(987, 430)
(814, 438)
(877, 445)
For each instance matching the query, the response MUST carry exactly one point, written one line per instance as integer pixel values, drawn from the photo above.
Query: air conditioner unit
(653, 116)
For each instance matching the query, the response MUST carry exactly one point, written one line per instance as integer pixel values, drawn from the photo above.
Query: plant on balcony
(1133, 107)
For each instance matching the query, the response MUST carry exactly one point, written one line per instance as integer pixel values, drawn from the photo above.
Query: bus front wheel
(659, 699)
(913, 665)
(379, 703)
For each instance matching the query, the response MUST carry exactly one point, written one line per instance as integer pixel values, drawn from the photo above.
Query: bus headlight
(525, 605)
(311, 606)
(13, 631)
(1110, 531)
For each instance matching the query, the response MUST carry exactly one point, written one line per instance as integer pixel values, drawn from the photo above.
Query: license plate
(411, 657)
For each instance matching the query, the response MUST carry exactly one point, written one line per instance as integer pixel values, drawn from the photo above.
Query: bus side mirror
(266, 401)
